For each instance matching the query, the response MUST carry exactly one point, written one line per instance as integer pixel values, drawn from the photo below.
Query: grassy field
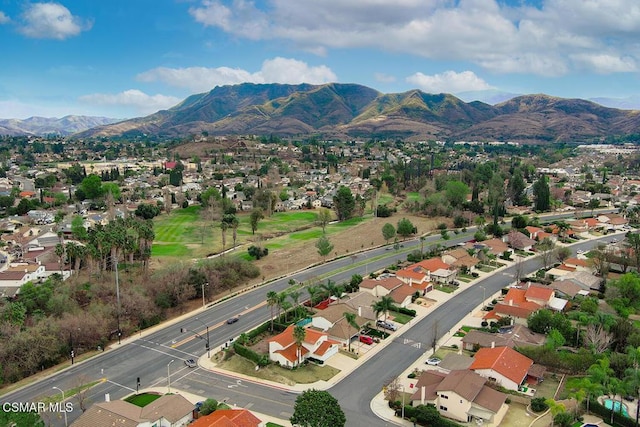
(304, 375)
(185, 233)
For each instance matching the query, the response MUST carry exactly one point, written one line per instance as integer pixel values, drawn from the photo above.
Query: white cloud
(143, 103)
(276, 70)
(606, 64)
(546, 37)
(384, 78)
(3, 18)
(51, 21)
(448, 82)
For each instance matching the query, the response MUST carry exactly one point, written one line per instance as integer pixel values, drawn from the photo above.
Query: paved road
(148, 357)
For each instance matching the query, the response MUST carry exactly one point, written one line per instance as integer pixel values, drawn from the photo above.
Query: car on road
(386, 325)
(191, 363)
(579, 251)
(433, 361)
(366, 339)
(232, 320)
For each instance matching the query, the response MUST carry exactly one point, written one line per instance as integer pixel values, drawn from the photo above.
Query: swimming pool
(608, 403)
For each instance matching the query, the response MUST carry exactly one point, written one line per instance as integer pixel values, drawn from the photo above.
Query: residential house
(362, 302)
(503, 366)
(332, 321)
(578, 264)
(461, 395)
(460, 259)
(567, 288)
(228, 418)
(170, 410)
(415, 277)
(519, 241)
(381, 286)
(437, 270)
(403, 294)
(493, 246)
(519, 304)
(514, 336)
(316, 345)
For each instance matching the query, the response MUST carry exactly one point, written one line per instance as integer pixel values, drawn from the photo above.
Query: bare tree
(81, 396)
(392, 389)
(597, 338)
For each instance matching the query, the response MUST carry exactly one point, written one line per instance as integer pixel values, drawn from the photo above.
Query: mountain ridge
(341, 110)
(39, 126)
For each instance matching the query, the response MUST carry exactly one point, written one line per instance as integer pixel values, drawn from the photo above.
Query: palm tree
(591, 389)
(332, 289)
(280, 303)
(286, 306)
(272, 300)
(295, 296)
(313, 291)
(351, 322)
(383, 305)
(299, 333)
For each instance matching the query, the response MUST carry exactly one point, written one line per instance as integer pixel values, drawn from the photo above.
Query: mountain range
(353, 111)
(64, 126)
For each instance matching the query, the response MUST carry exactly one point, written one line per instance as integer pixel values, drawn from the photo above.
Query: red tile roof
(539, 292)
(228, 418)
(285, 338)
(432, 264)
(503, 360)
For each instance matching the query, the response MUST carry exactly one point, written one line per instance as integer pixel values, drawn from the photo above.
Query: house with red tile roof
(461, 395)
(437, 270)
(316, 345)
(228, 418)
(502, 365)
(578, 264)
(416, 278)
(519, 304)
(460, 258)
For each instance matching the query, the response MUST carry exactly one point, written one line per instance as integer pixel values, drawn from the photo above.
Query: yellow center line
(217, 325)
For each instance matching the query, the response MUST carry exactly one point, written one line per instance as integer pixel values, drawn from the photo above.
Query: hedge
(404, 310)
(247, 353)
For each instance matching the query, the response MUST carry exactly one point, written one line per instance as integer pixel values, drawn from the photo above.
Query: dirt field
(348, 242)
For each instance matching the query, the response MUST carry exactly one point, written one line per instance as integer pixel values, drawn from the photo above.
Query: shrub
(257, 252)
(404, 310)
(538, 404)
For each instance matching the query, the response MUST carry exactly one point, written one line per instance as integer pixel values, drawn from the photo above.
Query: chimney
(493, 344)
(511, 302)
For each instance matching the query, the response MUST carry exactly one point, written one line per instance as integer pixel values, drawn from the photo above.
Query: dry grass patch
(304, 375)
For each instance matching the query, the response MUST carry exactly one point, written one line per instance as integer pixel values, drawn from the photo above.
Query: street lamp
(484, 290)
(203, 285)
(66, 423)
(169, 376)
(402, 388)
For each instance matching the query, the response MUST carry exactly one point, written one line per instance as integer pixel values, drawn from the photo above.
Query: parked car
(232, 320)
(191, 363)
(386, 325)
(366, 339)
(433, 361)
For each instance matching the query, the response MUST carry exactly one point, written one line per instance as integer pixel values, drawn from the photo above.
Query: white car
(433, 361)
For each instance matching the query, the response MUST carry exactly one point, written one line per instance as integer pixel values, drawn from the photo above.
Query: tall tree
(541, 194)
(272, 301)
(323, 217)
(388, 232)
(456, 193)
(405, 228)
(317, 408)
(350, 318)
(256, 216)
(517, 185)
(383, 305)
(324, 247)
(299, 334)
(344, 203)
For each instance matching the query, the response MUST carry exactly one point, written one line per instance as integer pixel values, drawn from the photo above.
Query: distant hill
(66, 125)
(349, 110)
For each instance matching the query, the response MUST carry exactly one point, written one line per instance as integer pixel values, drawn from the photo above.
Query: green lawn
(143, 399)
(305, 374)
(270, 424)
(400, 317)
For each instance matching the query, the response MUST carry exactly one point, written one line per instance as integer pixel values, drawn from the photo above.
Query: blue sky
(128, 58)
